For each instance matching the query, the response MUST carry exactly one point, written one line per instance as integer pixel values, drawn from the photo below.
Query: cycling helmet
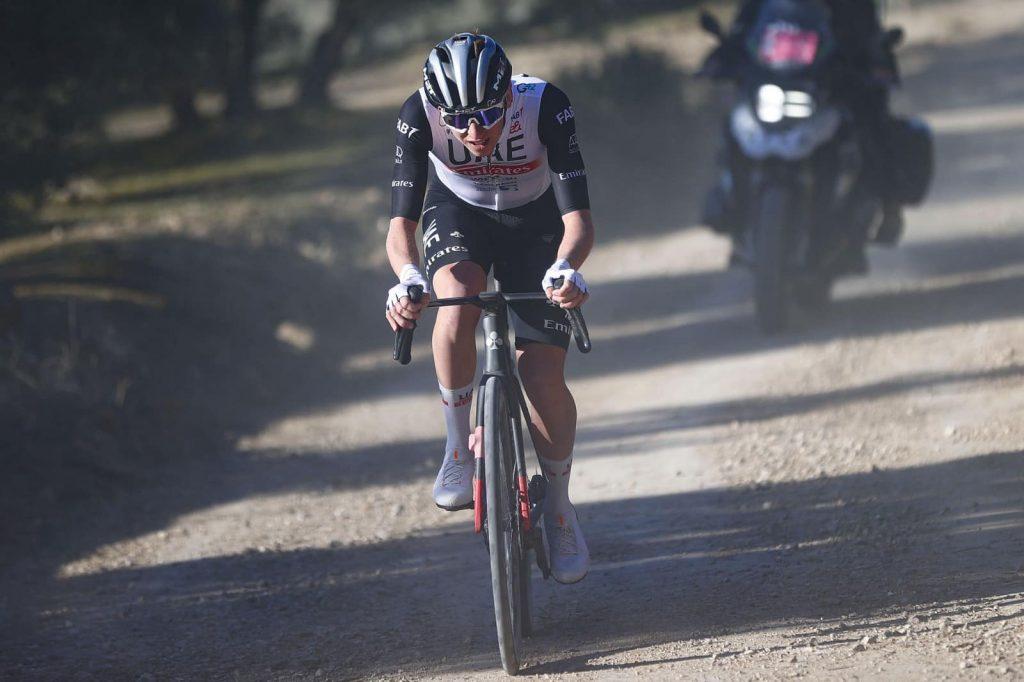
(465, 73)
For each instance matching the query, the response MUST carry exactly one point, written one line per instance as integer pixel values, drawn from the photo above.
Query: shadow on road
(604, 437)
(707, 563)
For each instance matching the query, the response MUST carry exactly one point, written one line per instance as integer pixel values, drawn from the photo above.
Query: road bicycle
(506, 507)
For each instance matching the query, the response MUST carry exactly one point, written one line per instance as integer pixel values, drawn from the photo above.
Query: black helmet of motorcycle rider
(468, 72)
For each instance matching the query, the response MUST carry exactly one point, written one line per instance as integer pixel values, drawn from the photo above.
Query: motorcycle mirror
(893, 37)
(710, 24)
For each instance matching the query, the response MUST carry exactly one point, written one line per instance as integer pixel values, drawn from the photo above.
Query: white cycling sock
(456, 405)
(557, 471)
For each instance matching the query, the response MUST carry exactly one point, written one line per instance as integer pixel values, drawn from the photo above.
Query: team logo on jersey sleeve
(406, 129)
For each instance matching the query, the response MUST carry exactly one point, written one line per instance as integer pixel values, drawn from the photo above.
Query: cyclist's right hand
(400, 311)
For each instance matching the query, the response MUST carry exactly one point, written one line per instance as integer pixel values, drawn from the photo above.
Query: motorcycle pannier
(911, 158)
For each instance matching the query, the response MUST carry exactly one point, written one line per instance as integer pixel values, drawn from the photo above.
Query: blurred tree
(174, 47)
(53, 60)
(327, 54)
(64, 64)
(239, 86)
(350, 19)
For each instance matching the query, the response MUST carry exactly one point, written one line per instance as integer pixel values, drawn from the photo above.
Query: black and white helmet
(465, 73)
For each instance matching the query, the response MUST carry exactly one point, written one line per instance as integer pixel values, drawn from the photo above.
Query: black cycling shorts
(520, 243)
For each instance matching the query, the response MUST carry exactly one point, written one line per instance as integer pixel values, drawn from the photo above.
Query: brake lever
(403, 337)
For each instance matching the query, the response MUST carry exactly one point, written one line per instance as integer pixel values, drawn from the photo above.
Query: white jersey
(537, 150)
(515, 174)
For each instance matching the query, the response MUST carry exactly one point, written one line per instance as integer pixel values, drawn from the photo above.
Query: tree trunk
(183, 107)
(242, 71)
(326, 57)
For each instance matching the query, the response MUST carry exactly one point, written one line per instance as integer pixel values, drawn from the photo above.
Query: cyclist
(509, 191)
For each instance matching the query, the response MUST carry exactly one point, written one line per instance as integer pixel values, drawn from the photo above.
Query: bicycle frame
(498, 362)
(500, 368)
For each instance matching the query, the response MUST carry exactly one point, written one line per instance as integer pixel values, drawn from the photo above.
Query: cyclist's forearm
(578, 239)
(401, 244)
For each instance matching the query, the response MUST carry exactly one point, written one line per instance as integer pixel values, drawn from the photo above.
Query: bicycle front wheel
(504, 532)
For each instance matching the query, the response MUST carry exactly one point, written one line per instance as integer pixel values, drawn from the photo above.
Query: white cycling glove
(410, 275)
(561, 268)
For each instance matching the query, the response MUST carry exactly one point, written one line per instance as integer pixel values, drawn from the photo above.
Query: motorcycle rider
(868, 70)
(509, 191)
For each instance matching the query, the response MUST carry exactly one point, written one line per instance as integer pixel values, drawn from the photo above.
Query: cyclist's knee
(457, 320)
(464, 278)
(542, 368)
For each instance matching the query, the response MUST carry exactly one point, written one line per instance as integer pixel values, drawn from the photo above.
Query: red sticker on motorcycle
(785, 45)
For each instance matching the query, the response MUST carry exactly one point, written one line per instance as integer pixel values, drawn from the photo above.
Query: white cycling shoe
(567, 549)
(453, 487)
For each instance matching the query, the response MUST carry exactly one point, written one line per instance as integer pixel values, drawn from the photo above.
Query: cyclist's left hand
(573, 292)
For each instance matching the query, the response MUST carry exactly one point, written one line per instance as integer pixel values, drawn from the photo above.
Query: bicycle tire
(504, 532)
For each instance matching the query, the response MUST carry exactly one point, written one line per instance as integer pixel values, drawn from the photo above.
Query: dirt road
(843, 501)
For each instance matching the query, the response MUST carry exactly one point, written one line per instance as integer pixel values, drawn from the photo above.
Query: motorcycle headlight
(798, 104)
(771, 102)
(775, 104)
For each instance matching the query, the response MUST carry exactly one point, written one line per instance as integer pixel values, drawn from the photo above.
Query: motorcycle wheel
(815, 296)
(772, 288)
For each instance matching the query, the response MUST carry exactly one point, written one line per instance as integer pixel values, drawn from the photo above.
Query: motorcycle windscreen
(790, 35)
(784, 46)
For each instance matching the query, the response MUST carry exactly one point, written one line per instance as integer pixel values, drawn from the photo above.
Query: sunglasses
(485, 118)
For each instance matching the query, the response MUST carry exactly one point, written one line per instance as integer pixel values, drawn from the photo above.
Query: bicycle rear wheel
(504, 531)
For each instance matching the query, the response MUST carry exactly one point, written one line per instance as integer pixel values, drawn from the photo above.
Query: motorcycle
(795, 191)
